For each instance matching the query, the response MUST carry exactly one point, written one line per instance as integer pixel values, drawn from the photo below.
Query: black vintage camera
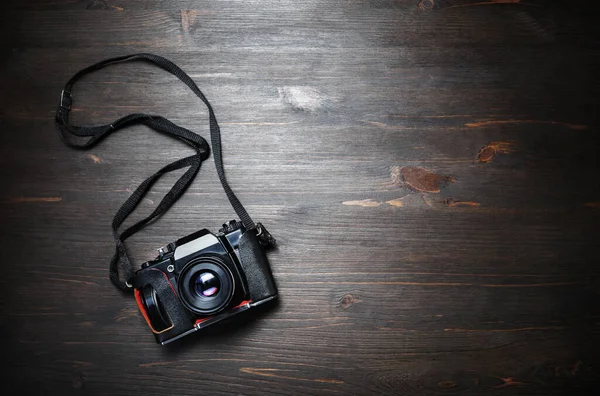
(202, 279)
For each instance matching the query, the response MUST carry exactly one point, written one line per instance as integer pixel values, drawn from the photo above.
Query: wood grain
(429, 169)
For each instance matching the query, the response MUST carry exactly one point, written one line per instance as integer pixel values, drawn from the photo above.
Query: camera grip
(256, 267)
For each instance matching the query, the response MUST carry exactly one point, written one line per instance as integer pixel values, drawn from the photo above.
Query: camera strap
(69, 134)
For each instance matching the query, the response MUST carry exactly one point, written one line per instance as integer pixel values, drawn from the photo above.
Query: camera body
(202, 279)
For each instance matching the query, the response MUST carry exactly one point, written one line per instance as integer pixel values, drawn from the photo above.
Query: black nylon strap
(70, 133)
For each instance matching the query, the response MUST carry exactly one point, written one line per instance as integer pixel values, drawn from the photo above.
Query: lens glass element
(207, 284)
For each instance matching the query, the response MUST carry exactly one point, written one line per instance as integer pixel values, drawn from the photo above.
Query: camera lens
(207, 284)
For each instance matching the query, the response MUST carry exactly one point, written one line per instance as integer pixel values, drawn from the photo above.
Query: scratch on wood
(323, 326)
(62, 2)
(508, 381)
(452, 203)
(387, 283)
(432, 116)
(488, 152)
(72, 281)
(96, 343)
(40, 314)
(383, 125)
(36, 199)
(210, 75)
(379, 124)
(179, 361)
(500, 122)
(536, 284)
(505, 330)
(75, 362)
(259, 123)
(487, 3)
(273, 373)
(370, 203)
(437, 283)
(155, 42)
(95, 158)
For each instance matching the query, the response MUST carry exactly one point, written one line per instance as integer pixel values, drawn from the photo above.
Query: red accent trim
(202, 320)
(209, 317)
(242, 303)
(138, 299)
(167, 278)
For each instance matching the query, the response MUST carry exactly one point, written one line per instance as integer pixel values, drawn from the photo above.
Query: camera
(202, 279)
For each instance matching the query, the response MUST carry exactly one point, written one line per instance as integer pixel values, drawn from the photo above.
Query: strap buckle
(66, 99)
(264, 237)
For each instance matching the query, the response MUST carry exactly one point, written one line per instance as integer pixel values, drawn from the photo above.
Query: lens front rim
(200, 304)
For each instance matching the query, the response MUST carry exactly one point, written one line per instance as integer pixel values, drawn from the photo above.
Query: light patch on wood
(395, 202)
(594, 205)
(274, 373)
(95, 158)
(118, 8)
(211, 75)
(378, 124)
(395, 175)
(36, 199)
(369, 203)
(189, 18)
(302, 98)
(501, 122)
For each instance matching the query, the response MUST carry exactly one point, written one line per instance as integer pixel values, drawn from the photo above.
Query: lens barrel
(206, 285)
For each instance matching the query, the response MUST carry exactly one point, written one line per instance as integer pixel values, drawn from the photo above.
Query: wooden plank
(428, 168)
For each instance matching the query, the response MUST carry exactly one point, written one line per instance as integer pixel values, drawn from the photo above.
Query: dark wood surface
(430, 169)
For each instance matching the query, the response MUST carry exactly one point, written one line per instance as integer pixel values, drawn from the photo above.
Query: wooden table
(429, 168)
